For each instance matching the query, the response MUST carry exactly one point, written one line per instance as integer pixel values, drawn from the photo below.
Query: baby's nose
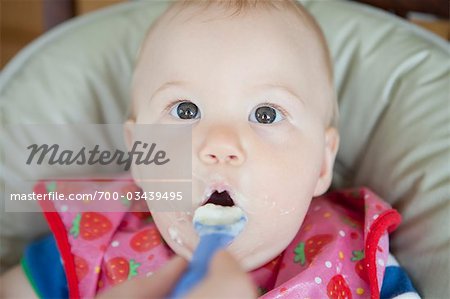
(222, 148)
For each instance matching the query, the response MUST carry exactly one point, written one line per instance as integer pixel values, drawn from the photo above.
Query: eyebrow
(282, 88)
(275, 86)
(168, 85)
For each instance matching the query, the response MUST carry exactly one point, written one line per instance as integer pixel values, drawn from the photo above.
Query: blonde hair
(240, 6)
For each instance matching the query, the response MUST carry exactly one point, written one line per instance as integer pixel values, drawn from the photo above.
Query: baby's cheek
(284, 220)
(268, 233)
(287, 200)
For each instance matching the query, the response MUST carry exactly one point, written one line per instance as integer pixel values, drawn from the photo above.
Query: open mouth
(221, 199)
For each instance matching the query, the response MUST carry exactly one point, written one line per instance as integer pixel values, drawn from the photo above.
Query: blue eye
(265, 115)
(185, 110)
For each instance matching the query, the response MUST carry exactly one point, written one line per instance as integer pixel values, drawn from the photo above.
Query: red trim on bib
(60, 234)
(388, 221)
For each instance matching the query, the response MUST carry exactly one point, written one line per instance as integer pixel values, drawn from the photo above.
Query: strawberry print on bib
(340, 250)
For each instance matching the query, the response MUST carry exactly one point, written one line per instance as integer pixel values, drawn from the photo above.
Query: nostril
(234, 160)
(228, 158)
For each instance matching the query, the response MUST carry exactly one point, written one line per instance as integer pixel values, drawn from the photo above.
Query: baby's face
(256, 95)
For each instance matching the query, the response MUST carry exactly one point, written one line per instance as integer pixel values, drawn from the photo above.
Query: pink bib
(340, 251)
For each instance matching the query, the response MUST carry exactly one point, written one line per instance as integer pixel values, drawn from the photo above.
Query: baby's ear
(326, 173)
(128, 132)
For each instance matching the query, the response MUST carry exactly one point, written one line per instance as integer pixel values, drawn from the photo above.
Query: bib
(340, 250)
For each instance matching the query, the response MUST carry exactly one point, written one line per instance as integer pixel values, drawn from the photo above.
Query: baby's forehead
(190, 36)
(206, 27)
(182, 14)
(284, 17)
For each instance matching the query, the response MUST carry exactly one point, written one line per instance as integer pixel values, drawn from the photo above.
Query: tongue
(221, 199)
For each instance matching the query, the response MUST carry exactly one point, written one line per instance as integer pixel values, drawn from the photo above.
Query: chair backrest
(393, 85)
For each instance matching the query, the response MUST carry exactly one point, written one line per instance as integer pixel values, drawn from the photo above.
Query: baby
(254, 81)
(257, 88)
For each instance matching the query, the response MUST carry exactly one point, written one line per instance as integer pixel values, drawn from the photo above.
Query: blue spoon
(215, 233)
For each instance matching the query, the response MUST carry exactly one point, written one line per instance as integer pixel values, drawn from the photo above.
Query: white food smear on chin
(174, 236)
(211, 214)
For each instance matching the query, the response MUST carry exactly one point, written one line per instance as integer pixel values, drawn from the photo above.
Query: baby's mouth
(221, 199)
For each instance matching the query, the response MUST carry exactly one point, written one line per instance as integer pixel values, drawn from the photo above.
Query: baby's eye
(265, 115)
(185, 110)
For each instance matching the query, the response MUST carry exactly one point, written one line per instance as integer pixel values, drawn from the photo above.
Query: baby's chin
(251, 252)
(249, 257)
